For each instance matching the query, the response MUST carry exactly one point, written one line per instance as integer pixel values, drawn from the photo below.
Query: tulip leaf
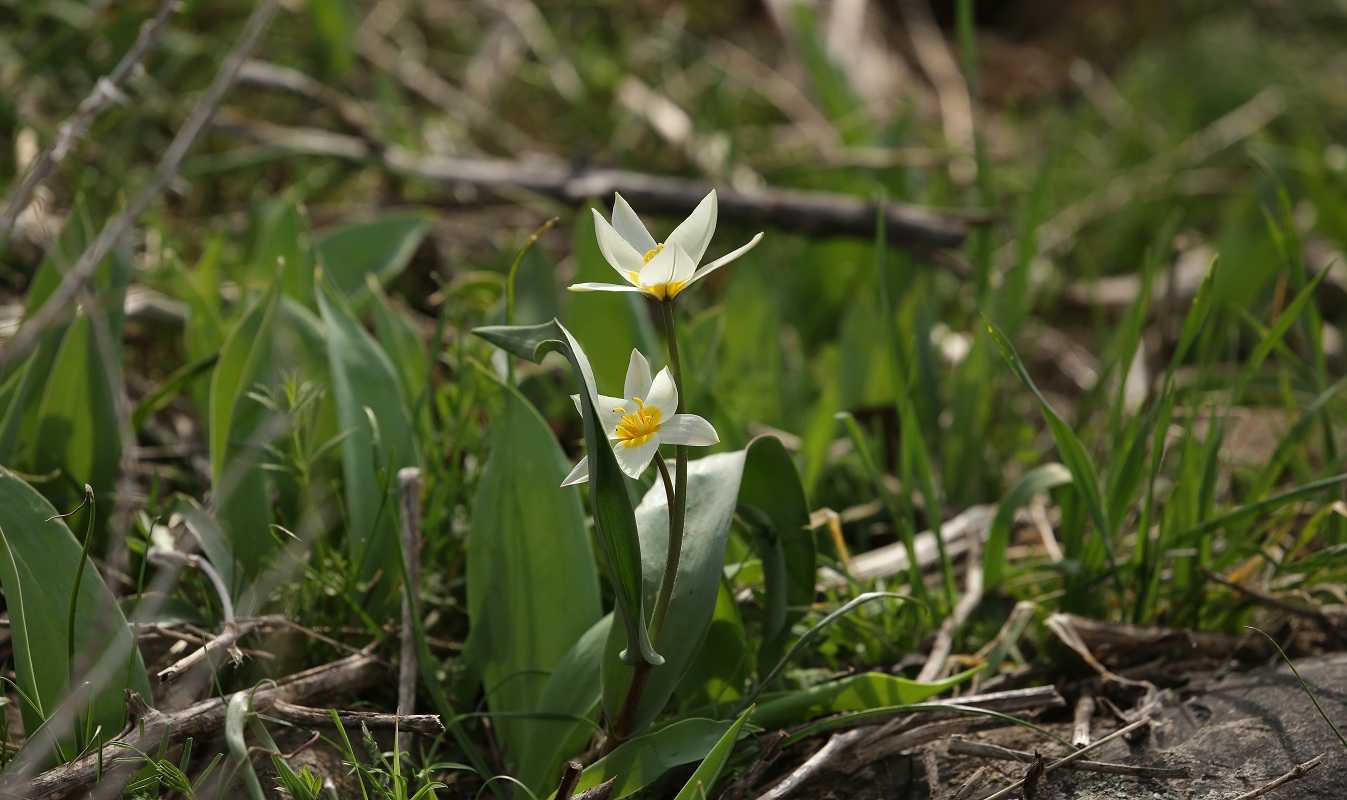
(283, 239)
(713, 487)
(779, 522)
(614, 518)
(382, 247)
(39, 557)
(532, 587)
(572, 690)
(240, 498)
(381, 441)
(724, 661)
(853, 693)
(638, 762)
(708, 772)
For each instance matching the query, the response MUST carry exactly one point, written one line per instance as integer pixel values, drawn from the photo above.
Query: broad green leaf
(781, 536)
(854, 693)
(402, 343)
(38, 560)
(240, 499)
(724, 658)
(382, 247)
(640, 761)
(708, 772)
(283, 245)
(382, 441)
(1039, 479)
(614, 518)
(713, 488)
(532, 587)
(76, 423)
(572, 690)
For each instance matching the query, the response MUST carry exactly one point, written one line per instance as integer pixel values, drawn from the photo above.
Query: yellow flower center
(637, 428)
(661, 291)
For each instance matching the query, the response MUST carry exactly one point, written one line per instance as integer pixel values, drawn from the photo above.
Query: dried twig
(944, 639)
(971, 785)
(73, 129)
(1080, 728)
(148, 726)
(932, 770)
(837, 747)
(570, 776)
(986, 750)
(275, 76)
(62, 300)
(1076, 756)
(474, 181)
(1298, 772)
(409, 497)
(428, 724)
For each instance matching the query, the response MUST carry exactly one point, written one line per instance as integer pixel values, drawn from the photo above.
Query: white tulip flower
(659, 270)
(637, 425)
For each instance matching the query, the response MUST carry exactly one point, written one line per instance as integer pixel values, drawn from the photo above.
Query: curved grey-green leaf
(532, 586)
(614, 517)
(38, 560)
(713, 494)
(636, 763)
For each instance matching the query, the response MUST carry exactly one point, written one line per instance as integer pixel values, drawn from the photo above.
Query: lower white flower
(642, 421)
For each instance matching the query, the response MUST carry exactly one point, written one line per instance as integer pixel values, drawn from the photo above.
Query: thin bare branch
(70, 133)
(62, 301)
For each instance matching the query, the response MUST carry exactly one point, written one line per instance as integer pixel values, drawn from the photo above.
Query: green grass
(298, 390)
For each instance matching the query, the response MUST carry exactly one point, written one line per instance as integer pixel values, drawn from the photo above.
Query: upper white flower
(639, 423)
(658, 269)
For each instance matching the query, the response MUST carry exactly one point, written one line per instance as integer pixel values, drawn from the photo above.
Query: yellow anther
(652, 253)
(638, 427)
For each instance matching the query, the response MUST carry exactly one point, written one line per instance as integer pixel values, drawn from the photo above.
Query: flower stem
(677, 496)
(678, 499)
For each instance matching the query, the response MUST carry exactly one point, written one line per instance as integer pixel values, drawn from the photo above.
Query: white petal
(611, 410)
(660, 269)
(634, 460)
(630, 227)
(695, 232)
(575, 398)
(725, 259)
(683, 264)
(688, 429)
(620, 255)
(578, 475)
(663, 394)
(638, 376)
(604, 287)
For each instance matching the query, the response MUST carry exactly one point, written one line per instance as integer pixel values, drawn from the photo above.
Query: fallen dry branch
(148, 726)
(428, 724)
(1298, 772)
(837, 748)
(476, 181)
(986, 750)
(1073, 757)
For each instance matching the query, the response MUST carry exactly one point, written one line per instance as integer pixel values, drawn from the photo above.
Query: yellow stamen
(639, 427)
(652, 253)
